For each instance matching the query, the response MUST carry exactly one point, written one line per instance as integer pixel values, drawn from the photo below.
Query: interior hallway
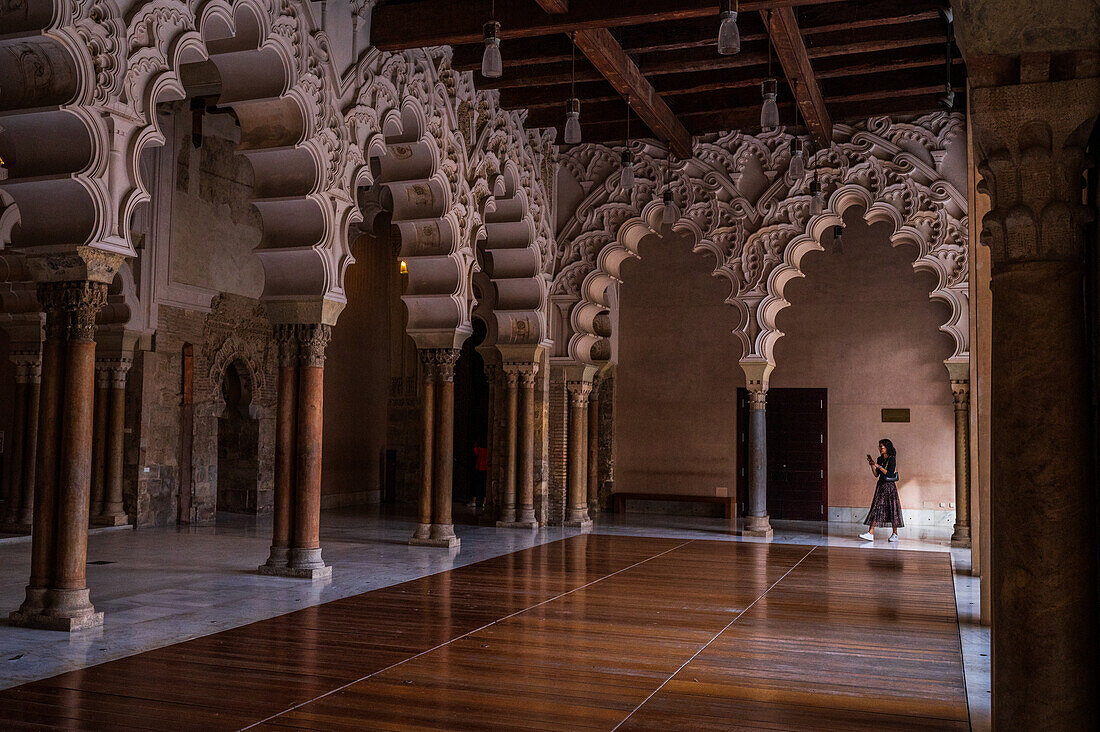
(181, 585)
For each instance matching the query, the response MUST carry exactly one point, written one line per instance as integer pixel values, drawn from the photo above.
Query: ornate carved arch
(737, 199)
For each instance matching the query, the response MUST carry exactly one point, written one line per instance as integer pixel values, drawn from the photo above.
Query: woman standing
(885, 506)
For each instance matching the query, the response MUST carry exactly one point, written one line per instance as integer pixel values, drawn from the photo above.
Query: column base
(451, 542)
(16, 528)
(757, 526)
(114, 519)
(582, 524)
(51, 609)
(277, 559)
(301, 564)
(506, 517)
(961, 537)
(422, 532)
(532, 524)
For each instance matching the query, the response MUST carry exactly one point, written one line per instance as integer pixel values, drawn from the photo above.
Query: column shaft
(443, 533)
(114, 513)
(75, 465)
(30, 451)
(286, 448)
(99, 439)
(757, 522)
(49, 437)
(511, 436)
(961, 535)
(526, 463)
(577, 494)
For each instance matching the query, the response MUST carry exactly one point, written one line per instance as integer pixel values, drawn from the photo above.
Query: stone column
(113, 512)
(594, 449)
(57, 596)
(443, 531)
(577, 490)
(960, 390)
(1031, 142)
(525, 467)
(511, 434)
(99, 437)
(304, 559)
(757, 522)
(286, 439)
(491, 503)
(427, 448)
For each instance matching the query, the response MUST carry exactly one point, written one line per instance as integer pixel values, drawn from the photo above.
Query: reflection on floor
(167, 586)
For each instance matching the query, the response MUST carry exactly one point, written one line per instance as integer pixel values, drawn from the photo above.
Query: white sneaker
(893, 537)
(867, 536)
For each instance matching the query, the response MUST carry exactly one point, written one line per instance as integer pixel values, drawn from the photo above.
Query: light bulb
(628, 170)
(769, 113)
(572, 122)
(817, 203)
(491, 64)
(798, 165)
(669, 214)
(729, 37)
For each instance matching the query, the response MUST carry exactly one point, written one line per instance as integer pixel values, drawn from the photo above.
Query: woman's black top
(890, 463)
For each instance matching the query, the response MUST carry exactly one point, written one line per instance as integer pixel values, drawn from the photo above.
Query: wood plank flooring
(591, 632)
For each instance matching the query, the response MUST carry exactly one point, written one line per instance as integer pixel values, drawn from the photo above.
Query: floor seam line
(471, 632)
(716, 637)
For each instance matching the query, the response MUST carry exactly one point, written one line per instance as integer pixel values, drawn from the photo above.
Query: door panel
(797, 453)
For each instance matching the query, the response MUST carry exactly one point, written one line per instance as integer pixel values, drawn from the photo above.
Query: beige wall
(677, 376)
(861, 325)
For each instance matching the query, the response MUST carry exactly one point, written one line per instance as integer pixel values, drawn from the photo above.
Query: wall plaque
(895, 415)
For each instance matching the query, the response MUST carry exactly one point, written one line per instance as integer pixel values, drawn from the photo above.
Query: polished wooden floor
(592, 632)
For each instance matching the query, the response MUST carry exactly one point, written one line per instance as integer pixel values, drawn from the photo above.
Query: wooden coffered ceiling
(839, 60)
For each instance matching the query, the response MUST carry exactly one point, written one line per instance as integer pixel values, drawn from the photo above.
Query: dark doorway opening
(238, 445)
(471, 415)
(798, 449)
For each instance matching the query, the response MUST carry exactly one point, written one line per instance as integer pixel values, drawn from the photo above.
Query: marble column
(99, 437)
(427, 449)
(1030, 142)
(511, 433)
(960, 390)
(525, 464)
(577, 488)
(757, 521)
(286, 439)
(113, 513)
(594, 449)
(57, 595)
(304, 559)
(443, 531)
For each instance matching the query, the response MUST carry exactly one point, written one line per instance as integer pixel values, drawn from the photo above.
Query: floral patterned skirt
(885, 506)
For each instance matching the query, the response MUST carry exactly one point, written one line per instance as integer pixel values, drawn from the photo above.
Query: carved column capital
(313, 339)
(758, 399)
(960, 391)
(286, 339)
(71, 308)
(28, 367)
(524, 372)
(579, 391)
(1031, 141)
(441, 362)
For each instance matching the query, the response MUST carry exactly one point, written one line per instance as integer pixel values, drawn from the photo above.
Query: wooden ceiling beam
(789, 47)
(454, 22)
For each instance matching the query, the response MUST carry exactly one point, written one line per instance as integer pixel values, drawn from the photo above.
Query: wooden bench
(729, 503)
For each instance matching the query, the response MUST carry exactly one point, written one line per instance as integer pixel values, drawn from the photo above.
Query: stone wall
(606, 452)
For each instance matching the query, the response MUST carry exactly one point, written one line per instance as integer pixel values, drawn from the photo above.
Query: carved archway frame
(737, 202)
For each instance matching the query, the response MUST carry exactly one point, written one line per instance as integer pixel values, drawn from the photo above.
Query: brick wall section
(558, 445)
(606, 440)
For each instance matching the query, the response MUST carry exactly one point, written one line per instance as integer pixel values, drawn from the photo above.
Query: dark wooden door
(798, 443)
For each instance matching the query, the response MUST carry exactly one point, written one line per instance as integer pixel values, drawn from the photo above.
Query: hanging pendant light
(769, 113)
(798, 151)
(838, 239)
(668, 215)
(573, 106)
(627, 183)
(729, 37)
(948, 98)
(491, 64)
(817, 198)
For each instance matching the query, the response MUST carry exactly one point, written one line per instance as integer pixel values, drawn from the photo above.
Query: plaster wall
(675, 394)
(861, 325)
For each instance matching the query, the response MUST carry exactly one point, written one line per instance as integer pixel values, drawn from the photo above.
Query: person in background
(885, 506)
(481, 469)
